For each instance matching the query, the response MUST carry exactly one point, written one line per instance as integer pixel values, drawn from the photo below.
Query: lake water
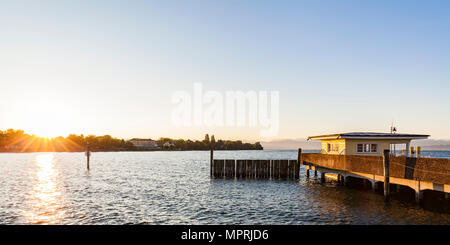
(175, 188)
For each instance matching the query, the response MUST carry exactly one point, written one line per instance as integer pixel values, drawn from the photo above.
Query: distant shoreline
(134, 151)
(18, 141)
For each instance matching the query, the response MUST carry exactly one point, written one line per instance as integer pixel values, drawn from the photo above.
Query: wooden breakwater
(254, 169)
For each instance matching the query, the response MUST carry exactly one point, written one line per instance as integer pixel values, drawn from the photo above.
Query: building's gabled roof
(369, 135)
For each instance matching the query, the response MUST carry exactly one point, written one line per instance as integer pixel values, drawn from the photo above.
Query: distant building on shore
(168, 145)
(144, 144)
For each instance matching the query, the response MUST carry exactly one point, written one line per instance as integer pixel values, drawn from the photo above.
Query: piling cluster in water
(255, 169)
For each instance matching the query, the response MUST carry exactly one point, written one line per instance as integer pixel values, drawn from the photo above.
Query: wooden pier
(418, 174)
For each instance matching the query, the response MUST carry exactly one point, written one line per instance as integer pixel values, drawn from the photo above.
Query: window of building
(360, 148)
(373, 148)
(333, 147)
(367, 148)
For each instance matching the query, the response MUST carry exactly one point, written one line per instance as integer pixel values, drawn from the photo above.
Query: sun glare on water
(45, 198)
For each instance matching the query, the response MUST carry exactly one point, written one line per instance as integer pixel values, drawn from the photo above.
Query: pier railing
(435, 170)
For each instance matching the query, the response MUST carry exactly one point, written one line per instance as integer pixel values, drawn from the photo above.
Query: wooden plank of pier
(229, 168)
(241, 169)
(219, 168)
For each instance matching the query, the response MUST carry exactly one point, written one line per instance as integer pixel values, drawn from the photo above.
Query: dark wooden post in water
(88, 156)
(386, 175)
(299, 162)
(211, 162)
(322, 177)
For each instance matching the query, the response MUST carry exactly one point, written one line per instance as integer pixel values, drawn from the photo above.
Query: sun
(49, 127)
(49, 120)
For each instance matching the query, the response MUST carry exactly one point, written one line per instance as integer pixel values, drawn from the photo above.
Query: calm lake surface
(175, 188)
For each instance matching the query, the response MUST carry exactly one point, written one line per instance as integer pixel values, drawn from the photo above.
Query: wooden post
(315, 172)
(211, 162)
(88, 156)
(374, 186)
(341, 179)
(299, 162)
(307, 171)
(386, 175)
(322, 177)
(419, 193)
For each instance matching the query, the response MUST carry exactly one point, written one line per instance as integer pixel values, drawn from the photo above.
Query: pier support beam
(366, 183)
(342, 180)
(386, 175)
(374, 186)
(315, 172)
(339, 179)
(419, 193)
(307, 171)
(419, 196)
(322, 177)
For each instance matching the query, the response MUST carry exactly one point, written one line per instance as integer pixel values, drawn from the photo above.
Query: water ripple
(175, 188)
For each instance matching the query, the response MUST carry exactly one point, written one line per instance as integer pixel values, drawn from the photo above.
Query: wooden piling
(265, 165)
(249, 164)
(270, 169)
(283, 169)
(292, 167)
(240, 169)
(229, 169)
(297, 166)
(386, 175)
(211, 162)
(254, 169)
(219, 168)
(419, 193)
(374, 186)
(88, 156)
(276, 169)
(322, 177)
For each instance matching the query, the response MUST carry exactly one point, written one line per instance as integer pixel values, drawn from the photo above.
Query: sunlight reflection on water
(45, 198)
(175, 188)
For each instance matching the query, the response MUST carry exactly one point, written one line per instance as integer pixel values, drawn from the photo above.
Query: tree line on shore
(18, 141)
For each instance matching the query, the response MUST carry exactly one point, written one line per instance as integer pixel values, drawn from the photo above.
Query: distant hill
(433, 145)
(436, 148)
(294, 144)
(291, 144)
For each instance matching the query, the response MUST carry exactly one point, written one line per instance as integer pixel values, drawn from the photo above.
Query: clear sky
(111, 67)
